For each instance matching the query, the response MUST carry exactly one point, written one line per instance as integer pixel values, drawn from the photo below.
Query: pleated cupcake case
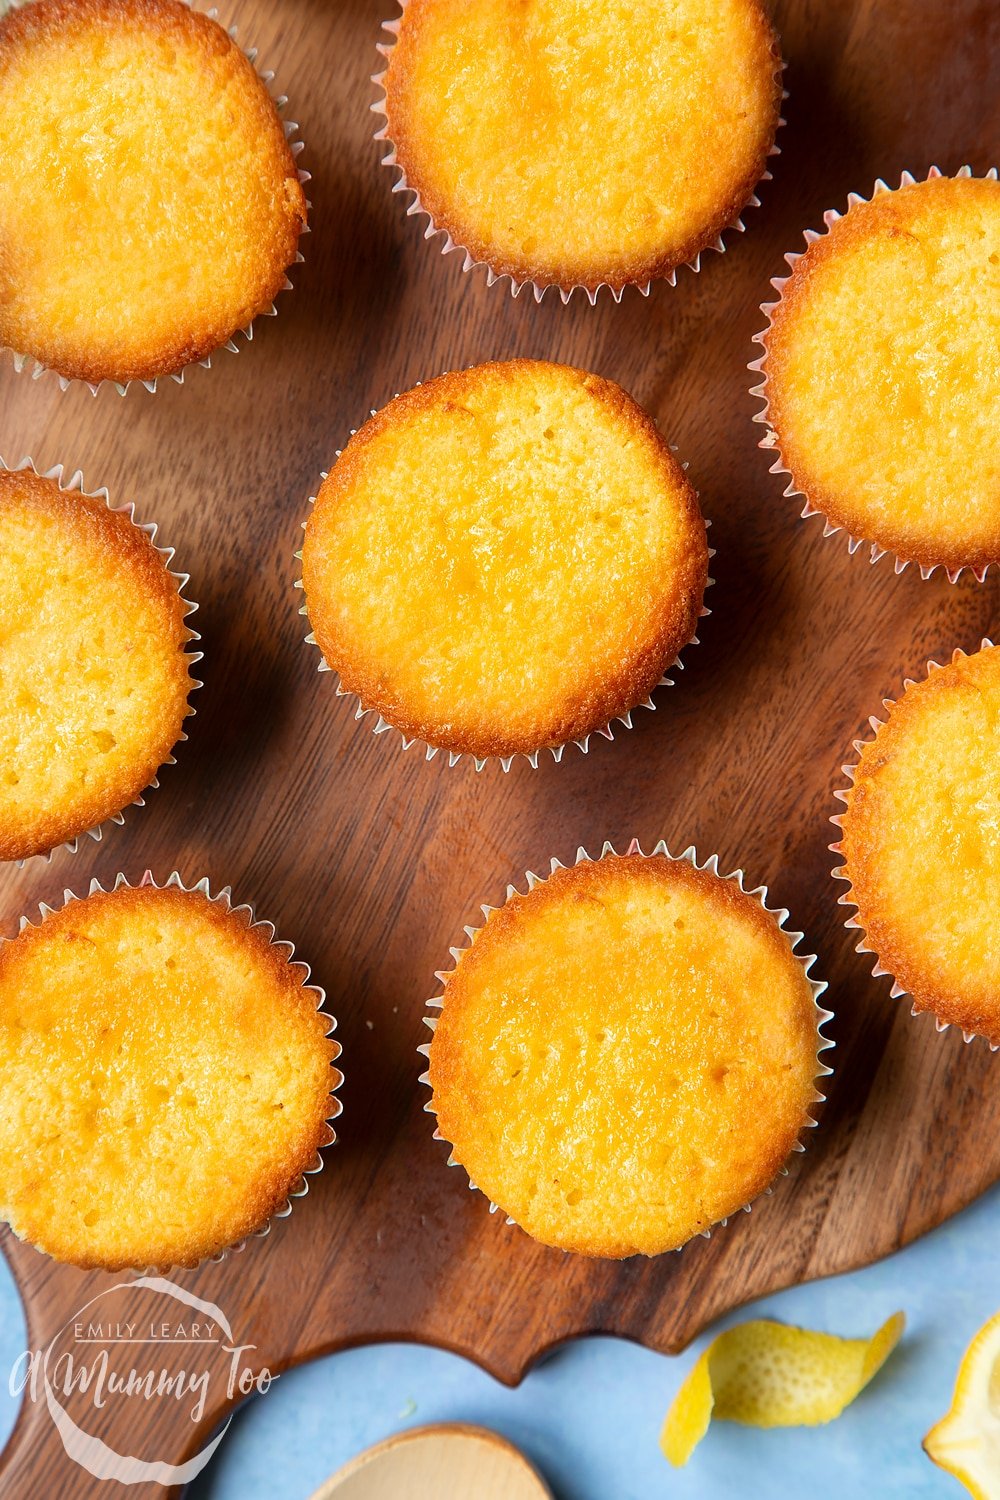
(448, 244)
(770, 441)
(36, 368)
(780, 915)
(149, 529)
(842, 794)
(379, 725)
(223, 899)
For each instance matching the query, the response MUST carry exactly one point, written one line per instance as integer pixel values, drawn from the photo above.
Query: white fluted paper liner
(75, 484)
(538, 290)
(296, 145)
(689, 856)
(224, 898)
(382, 726)
(772, 443)
(842, 794)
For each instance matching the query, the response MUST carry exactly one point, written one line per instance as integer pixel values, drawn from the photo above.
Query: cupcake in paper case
(920, 843)
(567, 144)
(94, 661)
(504, 560)
(167, 1077)
(882, 399)
(150, 204)
(626, 1054)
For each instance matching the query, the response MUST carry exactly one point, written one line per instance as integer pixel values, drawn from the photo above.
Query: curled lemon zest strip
(767, 1374)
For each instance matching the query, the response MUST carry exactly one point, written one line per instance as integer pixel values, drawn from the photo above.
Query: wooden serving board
(371, 860)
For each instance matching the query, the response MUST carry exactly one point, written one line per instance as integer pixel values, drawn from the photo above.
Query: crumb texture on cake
(149, 202)
(921, 842)
(94, 675)
(625, 1055)
(583, 141)
(165, 1079)
(505, 558)
(883, 372)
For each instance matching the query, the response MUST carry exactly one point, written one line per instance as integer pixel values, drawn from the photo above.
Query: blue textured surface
(590, 1415)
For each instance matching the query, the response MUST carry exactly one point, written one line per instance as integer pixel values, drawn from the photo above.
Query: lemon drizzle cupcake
(94, 660)
(552, 571)
(907, 265)
(606, 193)
(132, 141)
(637, 1164)
(919, 846)
(169, 1077)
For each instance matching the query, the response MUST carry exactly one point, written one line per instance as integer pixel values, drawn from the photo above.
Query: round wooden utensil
(449, 1462)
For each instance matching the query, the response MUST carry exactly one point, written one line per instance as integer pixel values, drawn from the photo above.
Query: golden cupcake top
(881, 365)
(166, 1079)
(93, 665)
(149, 201)
(921, 842)
(568, 143)
(505, 559)
(625, 1055)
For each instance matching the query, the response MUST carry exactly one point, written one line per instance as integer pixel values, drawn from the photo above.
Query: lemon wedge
(768, 1374)
(966, 1441)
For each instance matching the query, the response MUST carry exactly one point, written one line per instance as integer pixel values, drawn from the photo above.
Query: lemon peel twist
(767, 1374)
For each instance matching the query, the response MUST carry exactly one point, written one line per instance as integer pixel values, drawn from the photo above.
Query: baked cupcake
(149, 200)
(879, 366)
(504, 560)
(570, 144)
(166, 1077)
(93, 662)
(626, 1054)
(920, 843)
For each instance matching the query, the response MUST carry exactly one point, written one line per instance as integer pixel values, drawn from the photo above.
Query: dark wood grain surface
(371, 860)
